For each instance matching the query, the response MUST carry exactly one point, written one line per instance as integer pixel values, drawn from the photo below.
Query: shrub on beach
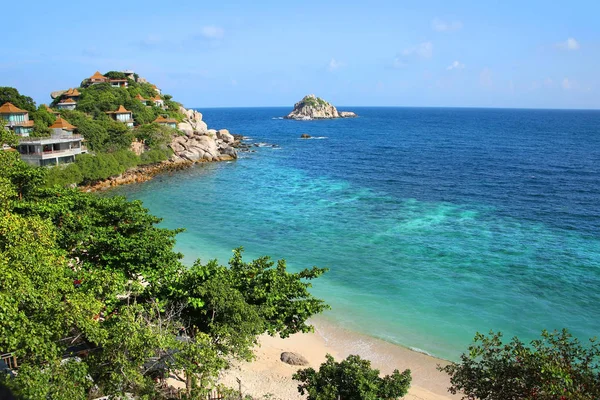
(351, 379)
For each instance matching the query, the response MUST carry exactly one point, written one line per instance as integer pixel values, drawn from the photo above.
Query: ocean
(435, 223)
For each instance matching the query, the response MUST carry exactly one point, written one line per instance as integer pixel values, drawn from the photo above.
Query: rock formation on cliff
(313, 107)
(198, 143)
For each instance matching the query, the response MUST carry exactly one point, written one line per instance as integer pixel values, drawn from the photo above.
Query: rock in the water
(313, 107)
(305, 136)
(347, 114)
(293, 358)
(225, 136)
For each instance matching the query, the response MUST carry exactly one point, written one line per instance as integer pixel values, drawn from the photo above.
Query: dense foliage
(554, 367)
(95, 301)
(351, 379)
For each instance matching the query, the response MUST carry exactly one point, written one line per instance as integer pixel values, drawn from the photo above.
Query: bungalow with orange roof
(66, 104)
(60, 148)
(96, 78)
(72, 94)
(157, 89)
(170, 122)
(16, 119)
(122, 115)
(51, 111)
(140, 98)
(158, 102)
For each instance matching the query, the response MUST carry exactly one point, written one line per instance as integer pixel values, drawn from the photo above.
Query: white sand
(267, 375)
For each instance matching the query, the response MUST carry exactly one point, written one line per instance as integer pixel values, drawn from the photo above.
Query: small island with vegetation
(313, 107)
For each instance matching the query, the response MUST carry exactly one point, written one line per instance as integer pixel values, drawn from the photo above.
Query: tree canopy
(351, 379)
(555, 367)
(95, 301)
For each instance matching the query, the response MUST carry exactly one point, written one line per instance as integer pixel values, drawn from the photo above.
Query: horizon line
(431, 107)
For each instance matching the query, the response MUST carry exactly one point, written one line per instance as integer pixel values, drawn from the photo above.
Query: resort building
(122, 115)
(96, 78)
(118, 82)
(129, 74)
(140, 98)
(66, 104)
(158, 102)
(170, 122)
(157, 89)
(60, 148)
(72, 94)
(51, 111)
(16, 119)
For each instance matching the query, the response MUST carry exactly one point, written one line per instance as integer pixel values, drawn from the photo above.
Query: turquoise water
(434, 223)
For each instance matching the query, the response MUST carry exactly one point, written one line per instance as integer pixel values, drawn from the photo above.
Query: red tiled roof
(10, 108)
(62, 124)
(69, 100)
(139, 97)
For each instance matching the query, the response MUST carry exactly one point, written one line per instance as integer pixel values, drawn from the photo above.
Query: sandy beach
(268, 376)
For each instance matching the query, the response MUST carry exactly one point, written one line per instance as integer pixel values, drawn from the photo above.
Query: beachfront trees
(554, 367)
(95, 301)
(351, 379)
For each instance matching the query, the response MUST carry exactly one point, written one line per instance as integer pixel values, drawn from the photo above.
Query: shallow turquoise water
(434, 224)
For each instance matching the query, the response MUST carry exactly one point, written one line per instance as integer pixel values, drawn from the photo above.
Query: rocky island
(313, 107)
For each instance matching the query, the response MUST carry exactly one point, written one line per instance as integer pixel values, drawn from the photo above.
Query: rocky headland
(313, 107)
(198, 143)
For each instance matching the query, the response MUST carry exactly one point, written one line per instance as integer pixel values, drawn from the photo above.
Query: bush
(351, 379)
(555, 367)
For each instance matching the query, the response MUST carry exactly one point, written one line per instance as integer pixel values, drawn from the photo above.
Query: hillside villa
(158, 102)
(122, 115)
(16, 119)
(140, 98)
(66, 104)
(60, 148)
(170, 122)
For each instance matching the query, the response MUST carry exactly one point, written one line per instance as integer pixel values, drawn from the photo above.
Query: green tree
(554, 367)
(12, 95)
(351, 379)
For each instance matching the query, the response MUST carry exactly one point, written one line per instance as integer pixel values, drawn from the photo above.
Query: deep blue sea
(434, 223)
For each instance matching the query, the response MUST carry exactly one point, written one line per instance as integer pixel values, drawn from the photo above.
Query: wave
(418, 350)
(277, 118)
(315, 138)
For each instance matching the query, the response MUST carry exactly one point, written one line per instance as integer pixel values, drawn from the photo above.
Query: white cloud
(455, 65)
(423, 50)
(445, 26)
(485, 78)
(212, 32)
(569, 44)
(334, 64)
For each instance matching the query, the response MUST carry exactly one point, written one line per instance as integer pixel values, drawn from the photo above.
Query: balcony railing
(51, 137)
(73, 151)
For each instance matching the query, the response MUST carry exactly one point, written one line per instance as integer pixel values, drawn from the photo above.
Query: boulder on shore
(313, 107)
(293, 358)
(198, 143)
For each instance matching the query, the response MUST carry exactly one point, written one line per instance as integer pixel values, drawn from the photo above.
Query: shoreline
(268, 375)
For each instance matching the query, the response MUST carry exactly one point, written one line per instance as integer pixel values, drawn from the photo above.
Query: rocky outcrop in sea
(313, 107)
(198, 143)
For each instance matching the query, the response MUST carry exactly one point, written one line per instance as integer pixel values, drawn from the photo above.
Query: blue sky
(539, 54)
